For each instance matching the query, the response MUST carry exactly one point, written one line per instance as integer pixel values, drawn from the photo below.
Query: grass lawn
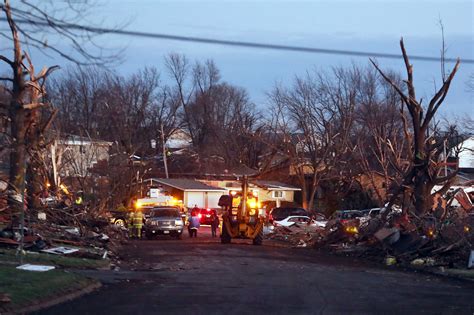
(8, 255)
(27, 287)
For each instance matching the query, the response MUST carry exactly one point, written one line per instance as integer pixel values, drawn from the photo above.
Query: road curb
(57, 300)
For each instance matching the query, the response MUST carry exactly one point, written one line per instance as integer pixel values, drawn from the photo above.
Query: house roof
(274, 185)
(215, 166)
(186, 184)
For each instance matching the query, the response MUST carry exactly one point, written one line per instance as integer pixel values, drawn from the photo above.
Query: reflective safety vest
(138, 219)
(131, 217)
(78, 200)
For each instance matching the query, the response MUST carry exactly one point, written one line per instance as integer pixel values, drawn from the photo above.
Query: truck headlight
(178, 222)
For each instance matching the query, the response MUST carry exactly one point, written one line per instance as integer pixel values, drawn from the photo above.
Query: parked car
(119, 218)
(300, 219)
(280, 213)
(164, 221)
(348, 218)
(374, 212)
(318, 216)
(371, 213)
(347, 214)
(206, 215)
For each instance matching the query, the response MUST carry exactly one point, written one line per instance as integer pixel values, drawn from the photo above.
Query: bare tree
(54, 29)
(183, 90)
(128, 111)
(219, 117)
(46, 26)
(26, 89)
(382, 147)
(314, 119)
(423, 173)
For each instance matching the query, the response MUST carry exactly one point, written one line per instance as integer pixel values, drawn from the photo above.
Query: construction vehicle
(242, 217)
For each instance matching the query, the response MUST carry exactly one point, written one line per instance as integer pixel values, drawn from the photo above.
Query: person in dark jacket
(214, 224)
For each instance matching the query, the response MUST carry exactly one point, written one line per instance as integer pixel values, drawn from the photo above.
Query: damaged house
(72, 160)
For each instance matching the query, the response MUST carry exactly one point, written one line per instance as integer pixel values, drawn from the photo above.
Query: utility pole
(245, 188)
(164, 151)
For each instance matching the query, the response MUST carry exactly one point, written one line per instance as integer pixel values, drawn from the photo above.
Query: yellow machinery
(241, 217)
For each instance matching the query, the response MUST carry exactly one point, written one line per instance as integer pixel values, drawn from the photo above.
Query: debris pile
(408, 239)
(70, 231)
(438, 239)
(4, 298)
(298, 234)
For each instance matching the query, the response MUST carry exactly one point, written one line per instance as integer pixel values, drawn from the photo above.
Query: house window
(277, 194)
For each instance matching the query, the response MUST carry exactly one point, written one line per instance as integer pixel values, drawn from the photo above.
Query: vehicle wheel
(225, 237)
(149, 236)
(119, 222)
(178, 236)
(258, 239)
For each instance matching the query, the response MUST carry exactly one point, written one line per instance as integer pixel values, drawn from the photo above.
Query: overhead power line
(246, 44)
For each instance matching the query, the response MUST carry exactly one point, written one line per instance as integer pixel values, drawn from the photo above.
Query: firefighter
(78, 200)
(131, 217)
(138, 224)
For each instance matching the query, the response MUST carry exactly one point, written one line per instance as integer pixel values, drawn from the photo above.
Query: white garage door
(195, 198)
(213, 199)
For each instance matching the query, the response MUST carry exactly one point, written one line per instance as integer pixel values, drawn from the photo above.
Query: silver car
(164, 221)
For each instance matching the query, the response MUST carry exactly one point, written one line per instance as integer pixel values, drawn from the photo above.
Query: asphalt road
(202, 276)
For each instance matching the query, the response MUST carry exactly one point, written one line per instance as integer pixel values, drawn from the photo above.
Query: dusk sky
(353, 25)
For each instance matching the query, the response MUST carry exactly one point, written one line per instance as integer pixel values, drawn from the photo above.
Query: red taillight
(208, 210)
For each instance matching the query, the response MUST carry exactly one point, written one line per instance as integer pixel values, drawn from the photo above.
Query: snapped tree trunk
(18, 156)
(34, 181)
(420, 180)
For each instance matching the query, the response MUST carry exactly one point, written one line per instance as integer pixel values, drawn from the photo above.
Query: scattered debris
(5, 298)
(7, 242)
(74, 231)
(417, 262)
(301, 243)
(298, 234)
(390, 260)
(37, 268)
(423, 262)
(388, 235)
(437, 239)
(60, 250)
